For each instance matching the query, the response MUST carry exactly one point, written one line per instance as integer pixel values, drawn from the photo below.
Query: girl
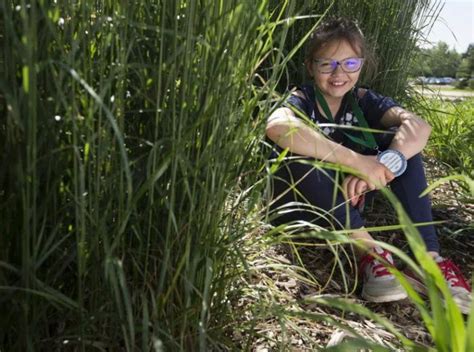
(335, 55)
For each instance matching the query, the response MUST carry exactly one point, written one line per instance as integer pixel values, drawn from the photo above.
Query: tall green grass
(125, 130)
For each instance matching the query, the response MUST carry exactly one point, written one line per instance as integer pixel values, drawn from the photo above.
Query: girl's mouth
(337, 83)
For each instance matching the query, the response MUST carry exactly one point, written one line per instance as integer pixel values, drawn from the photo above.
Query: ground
(277, 283)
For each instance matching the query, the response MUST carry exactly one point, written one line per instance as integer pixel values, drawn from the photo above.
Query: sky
(455, 25)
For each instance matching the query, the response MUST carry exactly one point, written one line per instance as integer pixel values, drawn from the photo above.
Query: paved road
(443, 92)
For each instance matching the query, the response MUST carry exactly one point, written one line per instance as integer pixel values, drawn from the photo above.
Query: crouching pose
(335, 55)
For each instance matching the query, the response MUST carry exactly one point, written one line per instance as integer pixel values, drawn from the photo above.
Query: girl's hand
(354, 188)
(375, 174)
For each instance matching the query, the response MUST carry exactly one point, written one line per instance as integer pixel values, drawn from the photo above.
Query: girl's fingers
(359, 190)
(361, 187)
(351, 188)
(346, 186)
(389, 176)
(354, 201)
(371, 186)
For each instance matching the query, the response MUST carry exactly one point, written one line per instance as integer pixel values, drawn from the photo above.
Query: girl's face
(335, 84)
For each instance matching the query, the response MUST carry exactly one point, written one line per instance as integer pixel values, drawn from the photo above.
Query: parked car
(420, 80)
(448, 80)
(435, 80)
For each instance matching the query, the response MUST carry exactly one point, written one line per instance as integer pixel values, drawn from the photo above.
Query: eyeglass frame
(339, 63)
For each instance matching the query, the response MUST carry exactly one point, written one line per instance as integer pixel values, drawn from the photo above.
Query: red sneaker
(457, 283)
(379, 285)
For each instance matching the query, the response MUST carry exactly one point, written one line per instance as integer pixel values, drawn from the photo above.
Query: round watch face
(394, 161)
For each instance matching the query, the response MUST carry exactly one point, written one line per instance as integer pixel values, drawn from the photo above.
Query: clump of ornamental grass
(126, 132)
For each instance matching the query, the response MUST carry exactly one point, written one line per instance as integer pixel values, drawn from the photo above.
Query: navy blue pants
(302, 192)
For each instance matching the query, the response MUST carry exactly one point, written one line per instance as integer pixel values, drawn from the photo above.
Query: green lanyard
(368, 140)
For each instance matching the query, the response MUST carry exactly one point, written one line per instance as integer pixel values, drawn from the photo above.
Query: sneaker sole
(385, 298)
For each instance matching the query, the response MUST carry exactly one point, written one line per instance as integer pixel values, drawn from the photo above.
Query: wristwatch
(394, 161)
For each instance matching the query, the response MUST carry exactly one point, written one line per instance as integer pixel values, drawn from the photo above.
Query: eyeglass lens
(351, 64)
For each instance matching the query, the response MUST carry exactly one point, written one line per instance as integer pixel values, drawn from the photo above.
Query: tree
(438, 61)
(469, 57)
(444, 62)
(466, 68)
(419, 65)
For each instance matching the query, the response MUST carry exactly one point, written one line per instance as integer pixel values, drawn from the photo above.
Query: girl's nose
(338, 69)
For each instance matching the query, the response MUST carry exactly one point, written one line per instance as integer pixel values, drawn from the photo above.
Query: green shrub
(461, 84)
(471, 84)
(452, 136)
